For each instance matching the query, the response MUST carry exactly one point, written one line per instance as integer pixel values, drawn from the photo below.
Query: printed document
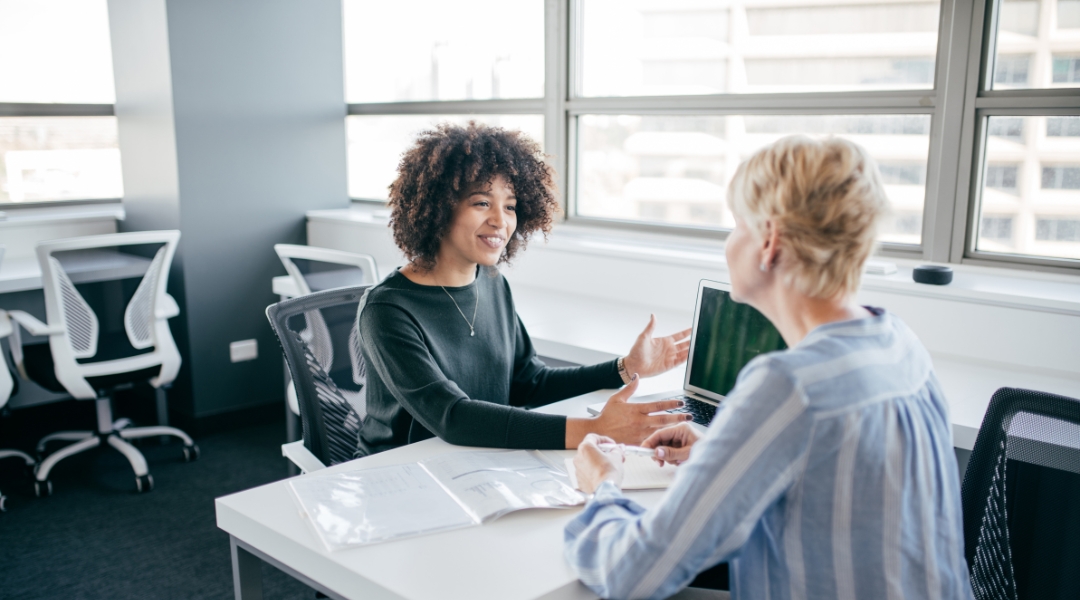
(448, 491)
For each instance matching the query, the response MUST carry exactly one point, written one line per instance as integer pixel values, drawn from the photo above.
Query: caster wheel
(144, 483)
(191, 453)
(43, 489)
(3, 503)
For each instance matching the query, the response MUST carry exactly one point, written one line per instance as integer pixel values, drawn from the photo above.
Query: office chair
(7, 389)
(328, 372)
(1021, 498)
(147, 354)
(315, 269)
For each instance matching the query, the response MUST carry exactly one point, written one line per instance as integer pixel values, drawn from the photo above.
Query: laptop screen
(728, 336)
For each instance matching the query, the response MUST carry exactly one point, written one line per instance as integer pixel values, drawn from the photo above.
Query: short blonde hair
(825, 197)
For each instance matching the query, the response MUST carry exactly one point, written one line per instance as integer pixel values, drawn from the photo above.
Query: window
(1061, 177)
(58, 140)
(1066, 69)
(434, 70)
(1061, 229)
(377, 142)
(688, 48)
(675, 169)
(1002, 177)
(1030, 153)
(997, 228)
(646, 108)
(1063, 126)
(635, 162)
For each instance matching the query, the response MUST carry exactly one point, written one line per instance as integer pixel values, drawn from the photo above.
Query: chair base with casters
(29, 460)
(39, 367)
(112, 433)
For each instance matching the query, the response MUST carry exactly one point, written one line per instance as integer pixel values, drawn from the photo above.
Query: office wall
(232, 126)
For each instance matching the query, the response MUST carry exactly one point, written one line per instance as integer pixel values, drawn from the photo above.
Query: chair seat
(38, 361)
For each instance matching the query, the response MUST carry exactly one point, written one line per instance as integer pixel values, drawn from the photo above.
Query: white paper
(491, 484)
(639, 473)
(372, 505)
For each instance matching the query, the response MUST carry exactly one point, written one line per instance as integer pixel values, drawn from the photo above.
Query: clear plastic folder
(448, 491)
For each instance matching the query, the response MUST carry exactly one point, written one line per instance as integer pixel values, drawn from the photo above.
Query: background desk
(517, 557)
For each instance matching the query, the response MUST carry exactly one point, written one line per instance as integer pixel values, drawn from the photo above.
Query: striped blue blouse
(829, 473)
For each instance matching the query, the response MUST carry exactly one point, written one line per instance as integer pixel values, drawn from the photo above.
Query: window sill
(14, 215)
(1030, 290)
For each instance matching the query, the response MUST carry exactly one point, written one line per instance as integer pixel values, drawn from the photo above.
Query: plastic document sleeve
(449, 491)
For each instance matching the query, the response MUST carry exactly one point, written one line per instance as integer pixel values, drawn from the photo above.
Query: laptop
(726, 335)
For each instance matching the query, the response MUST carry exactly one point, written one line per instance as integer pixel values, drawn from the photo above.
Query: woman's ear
(770, 249)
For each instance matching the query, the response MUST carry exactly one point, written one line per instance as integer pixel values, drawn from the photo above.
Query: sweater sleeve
(395, 348)
(536, 384)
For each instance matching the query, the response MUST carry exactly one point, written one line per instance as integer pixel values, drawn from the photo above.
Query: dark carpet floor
(96, 538)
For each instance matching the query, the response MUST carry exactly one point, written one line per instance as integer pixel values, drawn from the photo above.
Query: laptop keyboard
(702, 412)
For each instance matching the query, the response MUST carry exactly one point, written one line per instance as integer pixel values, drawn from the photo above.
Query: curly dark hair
(450, 160)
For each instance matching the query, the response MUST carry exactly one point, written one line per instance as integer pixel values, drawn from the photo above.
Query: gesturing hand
(630, 422)
(673, 443)
(651, 356)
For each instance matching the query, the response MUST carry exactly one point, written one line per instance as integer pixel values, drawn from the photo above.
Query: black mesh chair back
(1021, 498)
(318, 335)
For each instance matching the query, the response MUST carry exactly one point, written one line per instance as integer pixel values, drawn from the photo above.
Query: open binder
(448, 491)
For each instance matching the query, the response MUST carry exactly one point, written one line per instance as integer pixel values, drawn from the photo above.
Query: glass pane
(55, 51)
(675, 170)
(1037, 44)
(465, 50)
(377, 142)
(59, 158)
(676, 47)
(1030, 202)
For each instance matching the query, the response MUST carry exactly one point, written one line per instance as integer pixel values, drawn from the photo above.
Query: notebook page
(639, 473)
(490, 484)
(372, 505)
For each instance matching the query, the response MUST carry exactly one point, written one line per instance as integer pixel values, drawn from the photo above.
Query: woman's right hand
(672, 444)
(631, 422)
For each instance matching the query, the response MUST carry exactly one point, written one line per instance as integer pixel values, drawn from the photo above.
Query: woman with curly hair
(446, 352)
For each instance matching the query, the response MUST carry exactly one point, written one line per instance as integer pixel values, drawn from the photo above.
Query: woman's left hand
(652, 356)
(593, 466)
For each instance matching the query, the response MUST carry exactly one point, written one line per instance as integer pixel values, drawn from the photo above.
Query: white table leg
(247, 573)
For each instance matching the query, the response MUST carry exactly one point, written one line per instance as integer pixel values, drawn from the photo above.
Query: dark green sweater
(426, 376)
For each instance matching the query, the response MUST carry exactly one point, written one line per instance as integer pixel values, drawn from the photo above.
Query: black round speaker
(932, 274)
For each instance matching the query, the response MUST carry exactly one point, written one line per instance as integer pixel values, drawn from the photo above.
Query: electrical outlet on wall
(243, 350)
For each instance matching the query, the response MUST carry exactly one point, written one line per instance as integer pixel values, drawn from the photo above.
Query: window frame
(982, 102)
(36, 109)
(958, 104)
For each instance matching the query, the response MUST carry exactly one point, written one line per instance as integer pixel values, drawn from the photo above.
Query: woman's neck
(444, 273)
(796, 315)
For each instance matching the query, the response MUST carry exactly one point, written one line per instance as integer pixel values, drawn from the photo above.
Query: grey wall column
(232, 126)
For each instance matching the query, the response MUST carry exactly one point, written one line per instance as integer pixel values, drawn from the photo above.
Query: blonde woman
(829, 473)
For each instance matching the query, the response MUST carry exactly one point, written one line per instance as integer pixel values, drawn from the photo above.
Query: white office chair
(315, 269)
(73, 332)
(7, 385)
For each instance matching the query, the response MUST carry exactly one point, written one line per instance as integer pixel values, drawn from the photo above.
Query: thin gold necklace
(476, 288)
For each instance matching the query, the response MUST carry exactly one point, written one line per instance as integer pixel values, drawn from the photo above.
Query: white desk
(85, 266)
(517, 557)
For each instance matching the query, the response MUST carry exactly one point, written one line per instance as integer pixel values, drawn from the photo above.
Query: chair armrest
(168, 308)
(301, 457)
(5, 324)
(32, 325)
